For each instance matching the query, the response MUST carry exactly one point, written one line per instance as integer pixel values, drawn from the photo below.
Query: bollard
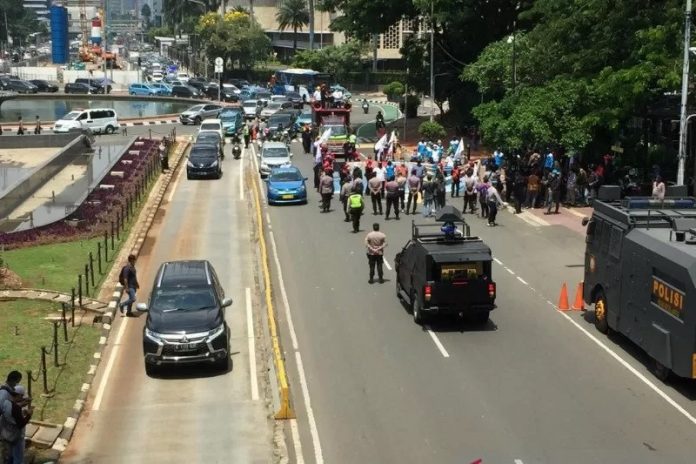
(65, 324)
(91, 267)
(150, 132)
(87, 279)
(55, 344)
(72, 309)
(112, 235)
(118, 220)
(99, 266)
(106, 247)
(43, 370)
(29, 382)
(79, 289)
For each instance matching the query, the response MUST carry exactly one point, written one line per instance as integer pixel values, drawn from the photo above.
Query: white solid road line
(252, 347)
(518, 461)
(173, 186)
(386, 263)
(295, 432)
(241, 177)
(283, 294)
(631, 369)
(439, 345)
(318, 456)
(109, 365)
(522, 280)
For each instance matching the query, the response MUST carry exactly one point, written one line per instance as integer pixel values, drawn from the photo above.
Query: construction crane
(85, 52)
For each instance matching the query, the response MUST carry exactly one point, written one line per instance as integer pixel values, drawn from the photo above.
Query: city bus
(302, 81)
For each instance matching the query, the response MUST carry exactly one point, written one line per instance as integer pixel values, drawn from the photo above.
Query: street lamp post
(432, 60)
(683, 121)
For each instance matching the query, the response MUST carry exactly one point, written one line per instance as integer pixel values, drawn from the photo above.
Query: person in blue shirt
(389, 170)
(498, 156)
(548, 161)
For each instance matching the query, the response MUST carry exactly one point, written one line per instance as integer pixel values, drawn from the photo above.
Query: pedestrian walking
(163, 156)
(470, 181)
(553, 191)
(414, 188)
(37, 126)
(519, 185)
(247, 135)
(494, 202)
(456, 177)
(440, 189)
(572, 186)
(482, 190)
(375, 242)
(392, 193)
(15, 414)
(129, 279)
(356, 205)
(532, 190)
(317, 166)
(326, 189)
(346, 190)
(428, 195)
(375, 186)
(20, 129)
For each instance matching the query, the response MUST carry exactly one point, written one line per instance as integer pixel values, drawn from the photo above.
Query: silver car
(273, 155)
(252, 108)
(271, 109)
(198, 113)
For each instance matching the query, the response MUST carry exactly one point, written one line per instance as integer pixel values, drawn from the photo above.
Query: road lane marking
(498, 261)
(241, 177)
(509, 270)
(109, 366)
(299, 455)
(252, 347)
(518, 461)
(522, 280)
(318, 456)
(283, 294)
(439, 345)
(386, 263)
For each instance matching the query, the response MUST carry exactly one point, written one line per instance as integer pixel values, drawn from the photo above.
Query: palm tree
(294, 14)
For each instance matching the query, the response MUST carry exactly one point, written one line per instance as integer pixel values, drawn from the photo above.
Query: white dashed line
(498, 261)
(439, 345)
(518, 461)
(510, 270)
(299, 456)
(241, 177)
(386, 263)
(522, 280)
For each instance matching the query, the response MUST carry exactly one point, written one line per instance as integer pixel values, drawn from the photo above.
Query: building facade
(40, 9)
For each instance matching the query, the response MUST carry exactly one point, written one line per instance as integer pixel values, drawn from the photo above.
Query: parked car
(264, 96)
(198, 113)
(44, 86)
(210, 138)
(286, 185)
(101, 85)
(78, 87)
(157, 76)
(20, 86)
(164, 88)
(182, 76)
(143, 89)
(273, 155)
(204, 161)
(239, 83)
(186, 317)
(232, 120)
(97, 120)
(185, 91)
(252, 108)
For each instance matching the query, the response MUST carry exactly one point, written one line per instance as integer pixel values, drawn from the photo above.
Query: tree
(235, 37)
(294, 14)
(337, 60)
(20, 21)
(146, 13)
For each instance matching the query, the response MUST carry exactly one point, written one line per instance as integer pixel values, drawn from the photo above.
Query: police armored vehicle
(444, 270)
(640, 274)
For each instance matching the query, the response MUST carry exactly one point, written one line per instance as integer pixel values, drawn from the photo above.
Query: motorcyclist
(365, 106)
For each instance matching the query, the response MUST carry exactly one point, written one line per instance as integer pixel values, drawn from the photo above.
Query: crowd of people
(15, 413)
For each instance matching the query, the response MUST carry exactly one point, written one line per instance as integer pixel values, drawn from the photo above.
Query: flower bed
(101, 207)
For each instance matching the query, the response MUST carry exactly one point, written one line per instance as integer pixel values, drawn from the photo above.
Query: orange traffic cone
(579, 304)
(563, 299)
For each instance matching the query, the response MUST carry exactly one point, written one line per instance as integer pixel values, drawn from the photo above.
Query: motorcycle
(365, 106)
(236, 150)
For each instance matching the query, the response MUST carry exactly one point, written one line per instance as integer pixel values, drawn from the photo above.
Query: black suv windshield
(183, 299)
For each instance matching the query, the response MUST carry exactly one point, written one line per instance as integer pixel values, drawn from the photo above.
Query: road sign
(219, 61)
(218, 69)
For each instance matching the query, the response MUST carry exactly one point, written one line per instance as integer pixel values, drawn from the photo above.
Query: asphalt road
(533, 386)
(192, 414)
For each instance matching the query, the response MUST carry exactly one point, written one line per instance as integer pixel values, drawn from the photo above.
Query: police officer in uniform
(356, 205)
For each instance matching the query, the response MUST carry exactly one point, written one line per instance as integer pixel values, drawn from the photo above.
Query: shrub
(411, 106)
(394, 90)
(432, 130)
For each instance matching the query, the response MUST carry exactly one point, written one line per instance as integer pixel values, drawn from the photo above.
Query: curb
(29, 130)
(65, 435)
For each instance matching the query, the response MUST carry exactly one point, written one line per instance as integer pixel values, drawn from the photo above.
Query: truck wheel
(150, 369)
(417, 310)
(600, 319)
(398, 289)
(661, 371)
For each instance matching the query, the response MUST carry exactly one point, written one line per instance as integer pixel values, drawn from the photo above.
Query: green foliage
(410, 106)
(394, 90)
(235, 37)
(292, 14)
(338, 60)
(432, 130)
(20, 21)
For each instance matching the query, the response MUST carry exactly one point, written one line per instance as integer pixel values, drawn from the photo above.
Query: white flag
(324, 138)
(460, 149)
(381, 143)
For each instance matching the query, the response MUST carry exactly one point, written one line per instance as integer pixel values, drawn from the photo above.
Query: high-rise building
(40, 9)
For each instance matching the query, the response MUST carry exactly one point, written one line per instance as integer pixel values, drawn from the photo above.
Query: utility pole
(432, 60)
(311, 24)
(683, 121)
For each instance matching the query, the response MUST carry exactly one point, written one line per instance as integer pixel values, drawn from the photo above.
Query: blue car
(286, 185)
(164, 88)
(303, 119)
(143, 89)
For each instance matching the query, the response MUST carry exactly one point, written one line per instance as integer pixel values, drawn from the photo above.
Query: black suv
(98, 83)
(186, 317)
(204, 161)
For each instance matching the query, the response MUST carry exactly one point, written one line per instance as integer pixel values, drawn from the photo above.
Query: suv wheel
(109, 130)
(417, 310)
(197, 120)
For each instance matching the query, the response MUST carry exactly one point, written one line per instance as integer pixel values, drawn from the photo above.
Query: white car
(183, 77)
(98, 120)
(272, 108)
(273, 155)
(252, 108)
(213, 125)
(157, 76)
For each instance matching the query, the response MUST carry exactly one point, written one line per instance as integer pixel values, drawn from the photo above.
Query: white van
(183, 77)
(98, 120)
(213, 125)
